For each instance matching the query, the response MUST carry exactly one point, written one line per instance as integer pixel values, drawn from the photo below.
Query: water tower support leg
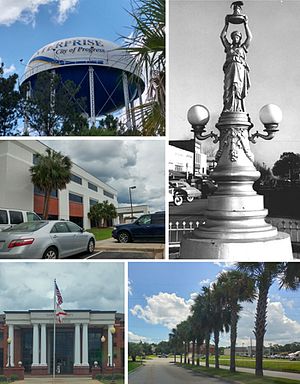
(26, 122)
(126, 98)
(92, 95)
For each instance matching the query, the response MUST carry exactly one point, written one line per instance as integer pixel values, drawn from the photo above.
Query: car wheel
(124, 237)
(91, 246)
(190, 198)
(50, 253)
(178, 200)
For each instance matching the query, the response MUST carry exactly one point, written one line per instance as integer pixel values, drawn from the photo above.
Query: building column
(77, 346)
(43, 345)
(35, 343)
(85, 348)
(11, 346)
(110, 347)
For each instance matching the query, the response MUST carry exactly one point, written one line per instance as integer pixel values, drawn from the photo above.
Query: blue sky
(23, 30)
(161, 294)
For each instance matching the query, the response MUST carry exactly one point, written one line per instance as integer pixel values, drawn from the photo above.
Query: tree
(102, 211)
(52, 171)
(9, 104)
(237, 287)
(288, 166)
(53, 109)
(263, 275)
(135, 349)
(266, 175)
(147, 47)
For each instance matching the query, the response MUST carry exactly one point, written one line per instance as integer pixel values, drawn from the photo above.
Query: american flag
(60, 314)
(58, 295)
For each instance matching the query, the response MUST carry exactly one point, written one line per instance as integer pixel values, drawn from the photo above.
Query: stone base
(39, 370)
(79, 370)
(18, 371)
(275, 249)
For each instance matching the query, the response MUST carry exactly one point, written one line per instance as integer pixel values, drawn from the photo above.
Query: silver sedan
(45, 239)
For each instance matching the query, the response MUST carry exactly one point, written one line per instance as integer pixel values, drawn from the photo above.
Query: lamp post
(8, 350)
(112, 330)
(102, 339)
(235, 226)
(130, 188)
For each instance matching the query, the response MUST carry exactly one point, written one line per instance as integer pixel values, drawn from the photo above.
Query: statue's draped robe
(236, 80)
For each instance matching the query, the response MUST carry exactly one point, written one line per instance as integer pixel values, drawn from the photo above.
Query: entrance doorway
(64, 351)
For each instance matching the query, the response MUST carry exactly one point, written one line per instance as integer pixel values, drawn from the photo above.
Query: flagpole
(54, 327)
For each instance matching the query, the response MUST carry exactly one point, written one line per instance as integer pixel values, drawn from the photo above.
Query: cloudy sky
(92, 285)
(161, 296)
(27, 25)
(121, 164)
(197, 57)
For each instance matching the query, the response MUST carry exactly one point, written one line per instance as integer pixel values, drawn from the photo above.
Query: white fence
(179, 229)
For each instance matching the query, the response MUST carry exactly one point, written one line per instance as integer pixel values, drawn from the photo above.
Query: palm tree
(108, 212)
(237, 287)
(52, 171)
(220, 317)
(264, 274)
(183, 331)
(202, 314)
(147, 47)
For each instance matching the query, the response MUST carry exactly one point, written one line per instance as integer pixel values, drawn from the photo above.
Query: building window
(178, 168)
(76, 179)
(35, 159)
(93, 187)
(93, 202)
(108, 194)
(75, 198)
(38, 191)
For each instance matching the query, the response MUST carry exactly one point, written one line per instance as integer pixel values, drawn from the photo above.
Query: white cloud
(136, 338)
(204, 282)
(65, 7)
(280, 328)
(130, 287)
(8, 70)
(166, 309)
(26, 10)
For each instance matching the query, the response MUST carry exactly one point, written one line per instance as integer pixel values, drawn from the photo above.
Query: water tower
(106, 75)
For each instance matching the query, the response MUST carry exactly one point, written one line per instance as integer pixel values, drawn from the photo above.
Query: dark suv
(146, 227)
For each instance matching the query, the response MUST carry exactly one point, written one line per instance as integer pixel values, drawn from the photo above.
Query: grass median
(101, 233)
(238, 377)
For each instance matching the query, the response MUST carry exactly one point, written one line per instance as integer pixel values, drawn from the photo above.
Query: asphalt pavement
(163, 371)
(188, 211)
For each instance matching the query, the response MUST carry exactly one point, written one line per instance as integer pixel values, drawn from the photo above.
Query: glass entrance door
(64, 354)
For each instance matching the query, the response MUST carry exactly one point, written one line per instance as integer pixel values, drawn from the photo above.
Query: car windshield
(31, 226)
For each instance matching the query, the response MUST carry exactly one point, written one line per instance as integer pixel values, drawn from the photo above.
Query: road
(188, 211)
(163, 371)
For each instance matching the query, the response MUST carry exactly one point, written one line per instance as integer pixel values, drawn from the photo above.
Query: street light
(8, 349)
(235, 217)
(102, 342)
(112, 330)
(130, 188)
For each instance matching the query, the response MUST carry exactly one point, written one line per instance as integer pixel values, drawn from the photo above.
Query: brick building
(26, 339)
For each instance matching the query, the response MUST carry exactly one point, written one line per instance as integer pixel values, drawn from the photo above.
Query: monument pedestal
(273, 249)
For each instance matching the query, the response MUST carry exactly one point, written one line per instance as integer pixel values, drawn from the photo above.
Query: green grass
(132, 365)
(270, 364)
(106, 379)
(101, 233)
(239, 377)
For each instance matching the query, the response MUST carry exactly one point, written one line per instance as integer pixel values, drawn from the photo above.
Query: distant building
(72, 203)
(181, 158)
(124, 213)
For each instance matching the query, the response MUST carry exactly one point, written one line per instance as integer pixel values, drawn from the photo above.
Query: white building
(72, 203)
(181, 158)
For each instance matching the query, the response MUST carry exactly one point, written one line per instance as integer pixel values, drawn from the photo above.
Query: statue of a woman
(236, 70)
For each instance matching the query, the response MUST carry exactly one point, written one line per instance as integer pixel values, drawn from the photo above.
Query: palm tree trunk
(193, 353)
(260, 325)
(185, 353)
(207, 340)
(198, 353)
(233, 336)
(181, 358)
(46, 205)
(217, 338)
(175, 356)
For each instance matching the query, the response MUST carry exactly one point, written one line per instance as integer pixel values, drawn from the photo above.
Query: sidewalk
(156, 249)
(59, 380)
